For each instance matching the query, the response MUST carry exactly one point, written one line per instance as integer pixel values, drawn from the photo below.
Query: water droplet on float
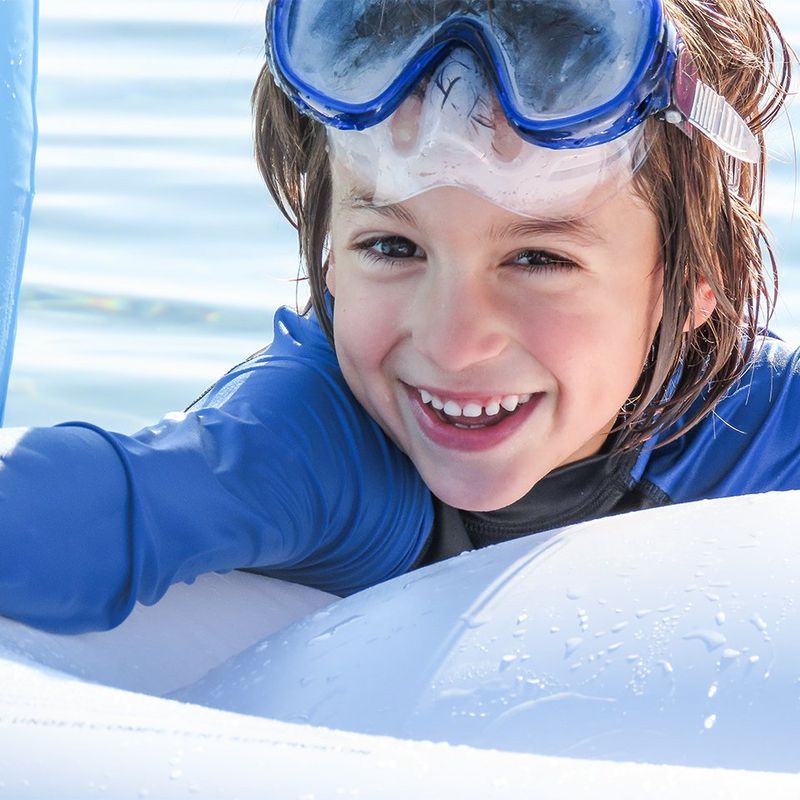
(643, 612)
(176, 774)
(712, 690)
(711, 639)
(729, 653)
(571, 645)
(521, 618)
(709, 722)
(619, 626)
(473, 621)
(574, 593)
(758, 621)
(507, 661)
(720, 618)
(327, 634)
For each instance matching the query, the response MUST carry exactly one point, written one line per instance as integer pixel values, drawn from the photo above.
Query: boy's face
(449, 299)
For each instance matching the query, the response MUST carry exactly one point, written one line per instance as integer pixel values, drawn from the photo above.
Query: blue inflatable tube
(18, 133)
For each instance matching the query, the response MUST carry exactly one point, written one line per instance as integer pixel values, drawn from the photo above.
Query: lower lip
(467, 439)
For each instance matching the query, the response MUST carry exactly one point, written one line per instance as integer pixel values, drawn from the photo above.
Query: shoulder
(763, 402)
(293, 392)
(298, 354)
(750, 443)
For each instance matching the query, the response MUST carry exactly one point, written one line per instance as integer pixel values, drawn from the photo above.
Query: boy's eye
(390, 247)
(542, 261)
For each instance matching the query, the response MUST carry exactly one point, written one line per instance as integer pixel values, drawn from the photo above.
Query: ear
(705, 301)
(330, 275)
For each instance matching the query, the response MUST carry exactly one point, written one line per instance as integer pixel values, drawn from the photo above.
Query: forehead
(619, 214)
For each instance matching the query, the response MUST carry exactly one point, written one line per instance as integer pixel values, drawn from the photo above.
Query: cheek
(594, 344)
(566, 333)
(366, 326)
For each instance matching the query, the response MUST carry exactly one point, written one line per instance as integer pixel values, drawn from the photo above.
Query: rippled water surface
(156, 258)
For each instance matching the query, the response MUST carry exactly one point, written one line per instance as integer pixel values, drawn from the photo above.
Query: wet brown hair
(708, 206)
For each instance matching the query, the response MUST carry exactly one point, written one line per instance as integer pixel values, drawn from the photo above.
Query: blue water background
(156, 257)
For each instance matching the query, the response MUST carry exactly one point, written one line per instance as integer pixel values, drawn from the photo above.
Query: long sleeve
(278, 469)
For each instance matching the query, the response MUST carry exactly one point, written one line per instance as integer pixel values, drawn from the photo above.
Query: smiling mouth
(470, 424)
(473, 414)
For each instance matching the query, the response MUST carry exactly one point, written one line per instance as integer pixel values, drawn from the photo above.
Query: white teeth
(452, 409)
(510, 402)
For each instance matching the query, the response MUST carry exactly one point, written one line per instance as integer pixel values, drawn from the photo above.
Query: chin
(485, 498)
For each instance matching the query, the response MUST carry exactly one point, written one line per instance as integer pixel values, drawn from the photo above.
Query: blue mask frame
(647, 91)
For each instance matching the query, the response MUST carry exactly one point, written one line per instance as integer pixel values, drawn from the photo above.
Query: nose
(458, 322)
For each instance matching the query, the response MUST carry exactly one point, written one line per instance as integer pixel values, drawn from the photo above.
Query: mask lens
(555, 59)
(566, 59)
(352, 50)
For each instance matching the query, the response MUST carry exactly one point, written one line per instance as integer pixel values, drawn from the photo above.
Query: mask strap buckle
(695, 105)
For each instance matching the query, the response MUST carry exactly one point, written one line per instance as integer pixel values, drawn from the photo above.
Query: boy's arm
(281, 470)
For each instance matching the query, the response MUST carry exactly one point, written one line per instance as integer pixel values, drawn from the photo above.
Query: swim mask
(531, 103)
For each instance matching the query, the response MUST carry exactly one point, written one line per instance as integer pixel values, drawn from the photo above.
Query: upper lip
(477, 396)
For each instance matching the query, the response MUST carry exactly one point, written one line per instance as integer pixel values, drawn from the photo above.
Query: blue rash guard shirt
(279, 469)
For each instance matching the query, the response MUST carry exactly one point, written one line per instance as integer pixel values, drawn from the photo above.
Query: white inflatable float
(649, 655)
(655, 654)
(18, 29)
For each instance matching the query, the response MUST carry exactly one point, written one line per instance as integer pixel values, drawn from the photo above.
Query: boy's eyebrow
(579, 229)
(363, 201)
